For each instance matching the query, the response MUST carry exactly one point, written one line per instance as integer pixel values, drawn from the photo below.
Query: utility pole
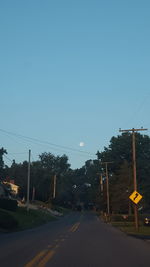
(107, 186)
(101, 183)
(133, 130)
(54, 188)
(33, 194)
(28, 181)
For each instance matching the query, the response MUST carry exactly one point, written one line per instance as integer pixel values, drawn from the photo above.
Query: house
(12, 187)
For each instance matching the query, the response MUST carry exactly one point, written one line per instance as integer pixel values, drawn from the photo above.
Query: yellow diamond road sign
(135, 197)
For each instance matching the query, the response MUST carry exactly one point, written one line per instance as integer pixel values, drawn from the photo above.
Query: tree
(83, 185)
(44, 171)
(120, 150)
(2, 171)
(121, 186)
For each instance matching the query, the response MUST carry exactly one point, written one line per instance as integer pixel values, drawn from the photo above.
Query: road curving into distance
(79, 239)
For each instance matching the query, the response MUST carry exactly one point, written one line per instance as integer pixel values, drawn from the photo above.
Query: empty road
(77, 240)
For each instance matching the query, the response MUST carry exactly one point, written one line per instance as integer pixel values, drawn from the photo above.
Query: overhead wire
(8, 158)
(17, 153)
(139, 108)
(41, 142)
(12, 138)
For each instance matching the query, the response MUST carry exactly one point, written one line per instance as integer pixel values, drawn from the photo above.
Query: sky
(72, 72)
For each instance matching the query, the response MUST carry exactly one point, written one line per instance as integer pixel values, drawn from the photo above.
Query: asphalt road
(77, 240)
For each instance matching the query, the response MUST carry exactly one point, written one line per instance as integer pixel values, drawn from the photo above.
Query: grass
(62, 210)
(28, 219)
(32, 218)
(129, 228)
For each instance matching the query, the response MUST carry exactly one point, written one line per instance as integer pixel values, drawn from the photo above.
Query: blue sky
(72, 71)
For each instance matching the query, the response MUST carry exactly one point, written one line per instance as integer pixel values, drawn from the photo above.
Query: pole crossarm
(133, 130)
(106, 162)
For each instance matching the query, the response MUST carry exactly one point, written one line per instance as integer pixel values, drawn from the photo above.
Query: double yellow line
(74, 227)
(42, 258)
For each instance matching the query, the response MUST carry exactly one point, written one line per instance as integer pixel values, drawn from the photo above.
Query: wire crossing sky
(72, 72)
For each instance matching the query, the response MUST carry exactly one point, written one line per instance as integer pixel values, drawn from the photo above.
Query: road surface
(76, 240)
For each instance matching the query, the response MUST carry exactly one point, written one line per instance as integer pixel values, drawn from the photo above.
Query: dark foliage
(8, 204)
(7, 221)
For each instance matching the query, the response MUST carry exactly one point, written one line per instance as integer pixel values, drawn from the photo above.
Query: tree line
(83, 185)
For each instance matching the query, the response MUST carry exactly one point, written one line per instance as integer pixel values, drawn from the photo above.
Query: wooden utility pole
(54, 188)
(107, 186)
(33, 193)
(133, 130)
(101, 184)
(28, 182)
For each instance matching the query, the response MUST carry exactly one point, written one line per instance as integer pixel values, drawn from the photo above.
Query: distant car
(147, 220)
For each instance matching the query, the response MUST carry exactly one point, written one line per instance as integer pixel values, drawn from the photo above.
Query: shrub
(7, 221)
(8, 204)
(122, 218)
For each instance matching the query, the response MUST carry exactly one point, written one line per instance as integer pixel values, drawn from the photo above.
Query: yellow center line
(41, 258)
(48, 256)
(36, 258)
(74, 227)
(44, 256)
(70, 230)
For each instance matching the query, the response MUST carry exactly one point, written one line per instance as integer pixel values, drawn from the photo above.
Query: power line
(30, 139)
(8, 158)
(17, 153)
(139, 108)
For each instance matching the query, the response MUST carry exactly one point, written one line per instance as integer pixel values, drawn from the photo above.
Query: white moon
(81, 144)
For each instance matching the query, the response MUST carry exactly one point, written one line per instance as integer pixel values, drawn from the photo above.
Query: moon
(81, 144)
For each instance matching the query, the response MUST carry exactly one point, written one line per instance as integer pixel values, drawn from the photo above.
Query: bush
(8, 204)
(122, 218)
(7, 221)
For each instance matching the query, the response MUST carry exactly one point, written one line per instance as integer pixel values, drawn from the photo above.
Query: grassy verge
(129, 228)
(127, 224)
(32, 218)
(62, 210)
(23, 219)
